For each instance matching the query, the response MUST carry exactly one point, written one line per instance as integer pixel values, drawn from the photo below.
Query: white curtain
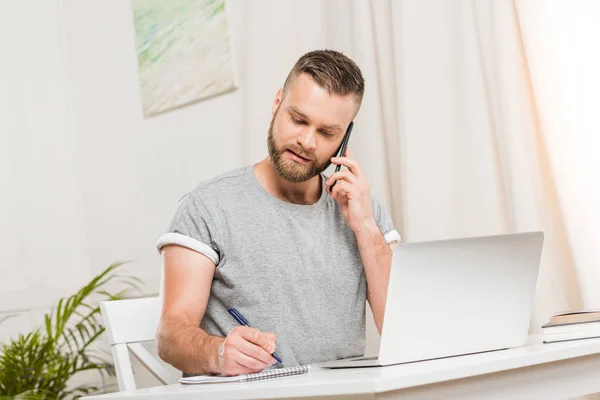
(485, 132)
(561, 43)
(459, 130)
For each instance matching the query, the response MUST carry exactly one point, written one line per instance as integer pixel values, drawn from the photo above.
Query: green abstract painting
(184, 52)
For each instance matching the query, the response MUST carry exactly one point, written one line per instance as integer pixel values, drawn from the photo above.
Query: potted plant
(39, 364)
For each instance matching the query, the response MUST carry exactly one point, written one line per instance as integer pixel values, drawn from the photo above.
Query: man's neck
(304, 193)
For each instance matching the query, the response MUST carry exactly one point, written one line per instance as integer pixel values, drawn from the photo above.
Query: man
(273, 241)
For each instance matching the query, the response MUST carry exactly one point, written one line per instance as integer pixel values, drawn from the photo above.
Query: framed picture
(184, 52)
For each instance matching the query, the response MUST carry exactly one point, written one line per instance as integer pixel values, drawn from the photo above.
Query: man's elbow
(163, 344)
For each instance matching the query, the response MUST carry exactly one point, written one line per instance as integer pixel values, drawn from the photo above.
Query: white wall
(87, 180)
(43, 226)
(134, 170)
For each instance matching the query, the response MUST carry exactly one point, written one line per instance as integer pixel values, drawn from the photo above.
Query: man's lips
(298, 155)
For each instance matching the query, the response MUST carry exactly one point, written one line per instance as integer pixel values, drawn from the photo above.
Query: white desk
(550, 371)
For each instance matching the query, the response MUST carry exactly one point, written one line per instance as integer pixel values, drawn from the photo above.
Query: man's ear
(277, 102)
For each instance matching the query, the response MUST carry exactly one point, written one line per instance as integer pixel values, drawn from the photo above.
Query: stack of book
(572, 325)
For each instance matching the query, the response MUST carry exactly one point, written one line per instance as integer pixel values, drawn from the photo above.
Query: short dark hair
(332, 70)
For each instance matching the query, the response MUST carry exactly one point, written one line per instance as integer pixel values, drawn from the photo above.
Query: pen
(243, 321)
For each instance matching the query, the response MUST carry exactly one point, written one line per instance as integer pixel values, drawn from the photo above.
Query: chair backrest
(129, 322)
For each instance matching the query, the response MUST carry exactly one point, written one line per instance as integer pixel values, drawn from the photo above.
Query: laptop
(456, 297)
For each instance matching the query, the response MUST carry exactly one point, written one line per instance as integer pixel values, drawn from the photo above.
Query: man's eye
(326, 134)
(298, 121)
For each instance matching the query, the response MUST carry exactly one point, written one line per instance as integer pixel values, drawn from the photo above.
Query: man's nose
(307, 139)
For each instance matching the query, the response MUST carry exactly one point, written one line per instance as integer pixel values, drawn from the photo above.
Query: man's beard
(288, 169)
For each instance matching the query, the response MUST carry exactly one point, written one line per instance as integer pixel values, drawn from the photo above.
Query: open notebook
(266, 374)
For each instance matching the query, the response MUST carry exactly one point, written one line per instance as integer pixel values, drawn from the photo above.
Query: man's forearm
(188, 348)
(376, 257)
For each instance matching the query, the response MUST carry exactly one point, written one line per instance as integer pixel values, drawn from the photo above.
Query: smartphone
(342, 149)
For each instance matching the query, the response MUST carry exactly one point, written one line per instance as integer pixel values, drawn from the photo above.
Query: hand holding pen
(246, 350)
(244, 322)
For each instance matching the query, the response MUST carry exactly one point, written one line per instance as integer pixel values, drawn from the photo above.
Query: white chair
(129, 322)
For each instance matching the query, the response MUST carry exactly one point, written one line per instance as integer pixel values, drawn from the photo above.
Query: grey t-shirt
(294, 270)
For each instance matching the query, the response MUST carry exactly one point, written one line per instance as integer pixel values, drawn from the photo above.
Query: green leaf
(58, 320)
(38, 365)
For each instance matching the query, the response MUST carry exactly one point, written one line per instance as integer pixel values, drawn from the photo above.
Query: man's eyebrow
(296, 111)
(302, 115)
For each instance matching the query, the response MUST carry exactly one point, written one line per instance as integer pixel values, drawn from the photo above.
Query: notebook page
(266, 374)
